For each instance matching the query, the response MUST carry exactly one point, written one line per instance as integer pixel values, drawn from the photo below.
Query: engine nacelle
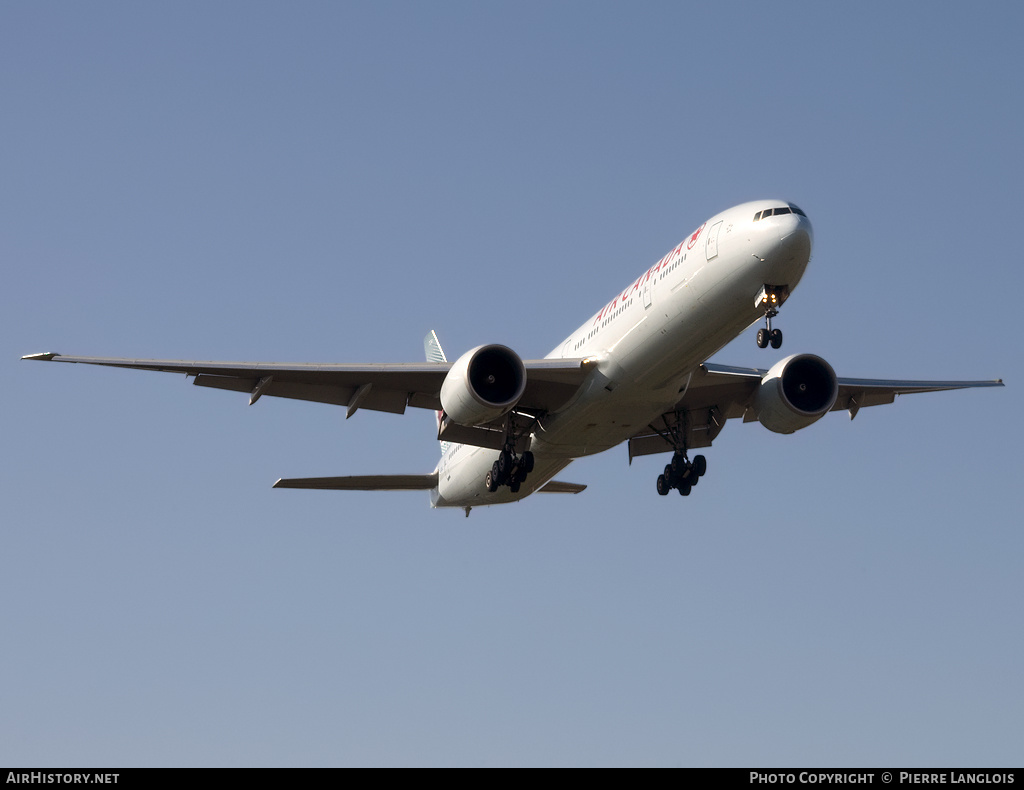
(483, 384)
(796, 392)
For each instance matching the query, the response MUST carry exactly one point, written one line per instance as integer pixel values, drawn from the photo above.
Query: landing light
(771, 296)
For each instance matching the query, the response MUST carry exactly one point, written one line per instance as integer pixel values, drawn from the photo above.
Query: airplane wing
(718, 393)
(388, 387)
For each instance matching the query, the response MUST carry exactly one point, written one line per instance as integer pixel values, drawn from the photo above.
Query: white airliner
(635, 372)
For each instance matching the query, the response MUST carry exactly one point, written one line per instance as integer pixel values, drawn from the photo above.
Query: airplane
(636, 371)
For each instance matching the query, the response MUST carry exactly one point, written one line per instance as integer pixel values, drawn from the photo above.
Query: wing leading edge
(718, 393)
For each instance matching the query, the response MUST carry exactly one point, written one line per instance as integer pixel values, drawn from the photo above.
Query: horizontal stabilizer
(558, 487)
(363, 482)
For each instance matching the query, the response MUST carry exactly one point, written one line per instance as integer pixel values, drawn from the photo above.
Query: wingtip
(46, 357)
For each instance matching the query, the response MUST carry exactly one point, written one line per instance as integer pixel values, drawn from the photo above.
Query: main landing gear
(770, 299)
(682, 474)
(510, 470)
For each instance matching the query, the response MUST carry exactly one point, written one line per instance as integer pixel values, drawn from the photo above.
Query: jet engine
(796, 392)
(483, 384)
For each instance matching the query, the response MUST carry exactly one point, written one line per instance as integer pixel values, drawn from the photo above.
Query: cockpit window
(770, 212)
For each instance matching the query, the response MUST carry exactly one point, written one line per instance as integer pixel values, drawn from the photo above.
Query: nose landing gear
(766, 336)
(770, 299)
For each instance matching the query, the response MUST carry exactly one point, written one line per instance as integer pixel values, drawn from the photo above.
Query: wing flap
(699, 426)
(448, 431)
(375, 399)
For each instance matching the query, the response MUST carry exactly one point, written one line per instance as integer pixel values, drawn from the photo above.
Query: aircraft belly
(596, 427)
(462, 484)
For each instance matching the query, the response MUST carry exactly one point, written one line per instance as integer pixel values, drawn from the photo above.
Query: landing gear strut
(682, 474)
(770, 299)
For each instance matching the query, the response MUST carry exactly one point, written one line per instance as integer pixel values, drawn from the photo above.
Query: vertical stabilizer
(434, 352)
(432, 346)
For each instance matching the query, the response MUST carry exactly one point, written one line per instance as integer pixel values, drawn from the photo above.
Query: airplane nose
(795, 239)
(784, 247)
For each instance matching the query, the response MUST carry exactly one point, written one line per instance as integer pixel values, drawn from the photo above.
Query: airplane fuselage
(648, 340)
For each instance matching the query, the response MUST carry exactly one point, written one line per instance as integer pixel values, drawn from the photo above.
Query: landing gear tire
(682, 474)
(509, 470)
(770, 299)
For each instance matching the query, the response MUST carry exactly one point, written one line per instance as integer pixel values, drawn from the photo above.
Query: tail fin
(432, 346)
(434, 352)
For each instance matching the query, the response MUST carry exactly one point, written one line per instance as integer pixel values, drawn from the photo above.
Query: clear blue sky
(329, 181)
